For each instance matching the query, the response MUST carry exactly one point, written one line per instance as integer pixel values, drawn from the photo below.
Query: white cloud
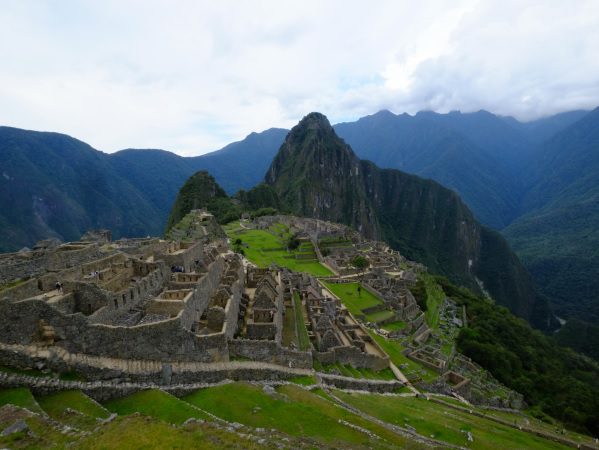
(191, 76)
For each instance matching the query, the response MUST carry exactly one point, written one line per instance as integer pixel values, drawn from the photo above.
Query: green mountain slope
(54, 185)
(558, 238)
(317, 175)
(201, 191)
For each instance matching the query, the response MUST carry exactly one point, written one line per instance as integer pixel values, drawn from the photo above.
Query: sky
(193, 76)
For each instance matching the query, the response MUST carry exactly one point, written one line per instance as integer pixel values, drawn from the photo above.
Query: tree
(361, 264)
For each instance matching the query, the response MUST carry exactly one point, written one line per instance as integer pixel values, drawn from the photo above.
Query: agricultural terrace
(448, 425)
(266, 247)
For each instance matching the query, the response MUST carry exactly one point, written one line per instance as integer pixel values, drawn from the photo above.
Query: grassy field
(56, 406)
(136, 432)
(296, 412)
(394, 326)
(446, 424)
(302, 332)
(379, 316)
(155, 403)
(19, 397)
(393, 349)
(264, 248)
(289, 327)
(354, 301)
(434, 300)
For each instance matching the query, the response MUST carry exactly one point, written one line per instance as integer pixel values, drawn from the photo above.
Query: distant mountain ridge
(519, 175)
(316, 174)
(53, 185)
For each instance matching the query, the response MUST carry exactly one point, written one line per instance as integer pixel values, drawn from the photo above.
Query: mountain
(558, 237)
(241, 165)
(54, 185)
(451, 149)
(316, 174)
(202, 191)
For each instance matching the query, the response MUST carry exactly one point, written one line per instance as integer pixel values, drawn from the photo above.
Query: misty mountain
(558, 236)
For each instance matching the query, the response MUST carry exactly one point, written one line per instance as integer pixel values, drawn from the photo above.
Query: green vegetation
(434, 299)
(11, 284)
(155, 403)
(556, 380)
(394, 326)
(19, 397)
(302, 332)
(411, 369)
(380, 316)
(307, 380)
(448, 425)
(202, 191)
(135, 432)
(289, 327)
(294, 411)
(56, 406)
(353, 300)
(264, 248)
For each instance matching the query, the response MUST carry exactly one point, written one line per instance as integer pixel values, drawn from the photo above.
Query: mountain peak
(315, 120)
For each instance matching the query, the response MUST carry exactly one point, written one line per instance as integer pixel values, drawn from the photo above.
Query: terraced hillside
(244, 415)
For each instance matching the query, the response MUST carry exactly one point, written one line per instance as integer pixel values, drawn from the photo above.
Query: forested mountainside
(53, 185)
(558, 236)
(316, 174)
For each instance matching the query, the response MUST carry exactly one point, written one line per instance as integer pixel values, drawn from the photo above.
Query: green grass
(302, 332)
(56, 406)
(380, 316)
(289, 327)
(292, 410)
(348, 293)
(393, 349)
(306, 380)
(41, 433)
(155, 403)
(394, 326)
(264, 248)
(136, 432)
(445, 424)
(12, 284)
(434, 299)
(19, 397)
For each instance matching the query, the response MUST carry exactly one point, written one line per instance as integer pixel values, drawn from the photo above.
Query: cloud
(192, 76)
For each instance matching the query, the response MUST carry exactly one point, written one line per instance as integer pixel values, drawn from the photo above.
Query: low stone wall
(352, 356)
(269, 351)
(24, 290)
(360, 384)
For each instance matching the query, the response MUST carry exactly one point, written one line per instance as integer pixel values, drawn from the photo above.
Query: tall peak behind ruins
(316, 174)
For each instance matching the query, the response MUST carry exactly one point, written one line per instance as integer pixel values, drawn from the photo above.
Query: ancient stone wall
(360, 384)
(195, 307)
(269, 351)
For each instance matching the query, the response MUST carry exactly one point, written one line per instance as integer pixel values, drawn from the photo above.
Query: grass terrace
(297, 412)
(20, 397)
(411, 369)
(157, 404)
(353, 301)
(60, 406)
(445, 424)
(266, 247)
